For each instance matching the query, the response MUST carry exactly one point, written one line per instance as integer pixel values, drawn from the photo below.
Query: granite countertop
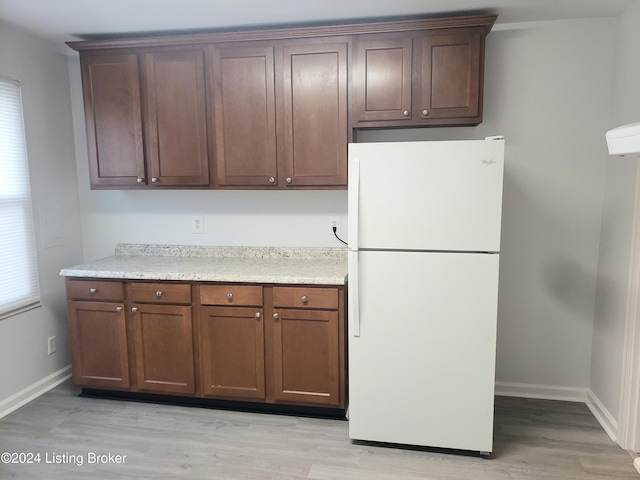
(320, 266)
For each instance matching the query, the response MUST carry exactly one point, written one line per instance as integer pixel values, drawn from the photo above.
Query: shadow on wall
(572, 286)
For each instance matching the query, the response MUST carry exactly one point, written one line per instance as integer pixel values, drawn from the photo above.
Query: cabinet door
(163, 337)
(232, 349)
(306, 357)
(382, 78)
(176, 110)
(244, 116)
(314, 150)
(451, 75)
(113, 115)
(98, 344)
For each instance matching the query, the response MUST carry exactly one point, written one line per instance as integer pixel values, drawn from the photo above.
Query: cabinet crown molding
(285, 32)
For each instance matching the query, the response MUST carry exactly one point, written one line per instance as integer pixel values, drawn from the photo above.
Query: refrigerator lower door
(422, 370)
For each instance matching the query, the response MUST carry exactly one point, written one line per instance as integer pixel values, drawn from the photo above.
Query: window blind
(19, 287)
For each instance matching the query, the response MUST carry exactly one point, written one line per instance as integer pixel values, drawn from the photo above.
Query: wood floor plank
(534, 440)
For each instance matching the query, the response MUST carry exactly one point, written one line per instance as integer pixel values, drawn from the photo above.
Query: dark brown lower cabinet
(232, 352)
(97, 331)
(163, 337)
(235, 342)
(306, 356)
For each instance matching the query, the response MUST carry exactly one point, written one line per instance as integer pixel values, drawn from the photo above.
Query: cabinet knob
(118, 309)
(289, 180)
(304, 299)
(272, 180)
(159, 293)
(406, 113)
(93, 290)
(230, 296)
(139, 180)
(258, 315)
(276, 316)
(425, 112)
(134, 309)
(154, 180)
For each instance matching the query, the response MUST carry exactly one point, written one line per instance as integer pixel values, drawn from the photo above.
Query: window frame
(17, 229)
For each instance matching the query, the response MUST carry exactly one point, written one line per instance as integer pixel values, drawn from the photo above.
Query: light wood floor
(534, 439)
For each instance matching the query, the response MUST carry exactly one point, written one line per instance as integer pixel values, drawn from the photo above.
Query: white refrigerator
(424, 222)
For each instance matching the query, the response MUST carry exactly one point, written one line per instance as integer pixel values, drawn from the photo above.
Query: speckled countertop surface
(320, 266)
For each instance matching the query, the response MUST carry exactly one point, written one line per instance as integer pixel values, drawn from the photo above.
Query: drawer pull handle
(276, 316)
(258, 315)
(93, 290)
(134, 309)
(159, 293)
(230, 296)
(304, 299)
(118, 309)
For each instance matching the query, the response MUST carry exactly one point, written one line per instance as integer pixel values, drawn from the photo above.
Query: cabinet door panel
(451, 73)
(306, 357)
(382, 78)
(315, 114)
(177, 134)
(113, 115)
(98, 344)
(232, 346)
(245, 116)
(164, 348)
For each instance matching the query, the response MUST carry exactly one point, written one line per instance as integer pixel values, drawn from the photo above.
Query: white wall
(255, 218)
(617, 221)
(42, 70)
(547, 89)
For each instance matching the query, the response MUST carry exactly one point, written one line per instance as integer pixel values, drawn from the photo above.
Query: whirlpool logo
(486, 162)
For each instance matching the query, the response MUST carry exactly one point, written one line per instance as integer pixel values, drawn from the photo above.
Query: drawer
(305, 297)
(239, 295)
(161, 293)
(95, 290)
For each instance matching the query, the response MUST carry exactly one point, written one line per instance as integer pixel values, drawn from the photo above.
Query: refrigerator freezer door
(443, 196)
(422, 370)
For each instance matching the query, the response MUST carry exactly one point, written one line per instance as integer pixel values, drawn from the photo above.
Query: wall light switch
(51, 345)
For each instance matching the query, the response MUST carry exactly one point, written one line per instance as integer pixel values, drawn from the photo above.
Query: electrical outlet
(51, 345)
(335, 222)
(197, 224)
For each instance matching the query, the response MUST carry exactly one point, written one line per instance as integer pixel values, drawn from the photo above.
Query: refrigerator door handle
(354, 294)
(353, 197)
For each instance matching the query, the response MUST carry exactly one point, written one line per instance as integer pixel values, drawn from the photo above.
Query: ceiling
(65, 20)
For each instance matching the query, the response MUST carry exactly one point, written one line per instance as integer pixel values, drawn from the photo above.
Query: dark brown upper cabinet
(145, 116)
(421, 78)
(113, 116)
(243, 85)
(280, 114)
(272, 108)
(176, 137)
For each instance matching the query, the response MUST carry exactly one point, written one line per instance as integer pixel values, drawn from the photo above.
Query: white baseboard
(570, 394)
(34, 391)
(546, 392)
(603, 416)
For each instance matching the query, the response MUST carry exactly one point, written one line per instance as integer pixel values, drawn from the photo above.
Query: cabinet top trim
(283, 33)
